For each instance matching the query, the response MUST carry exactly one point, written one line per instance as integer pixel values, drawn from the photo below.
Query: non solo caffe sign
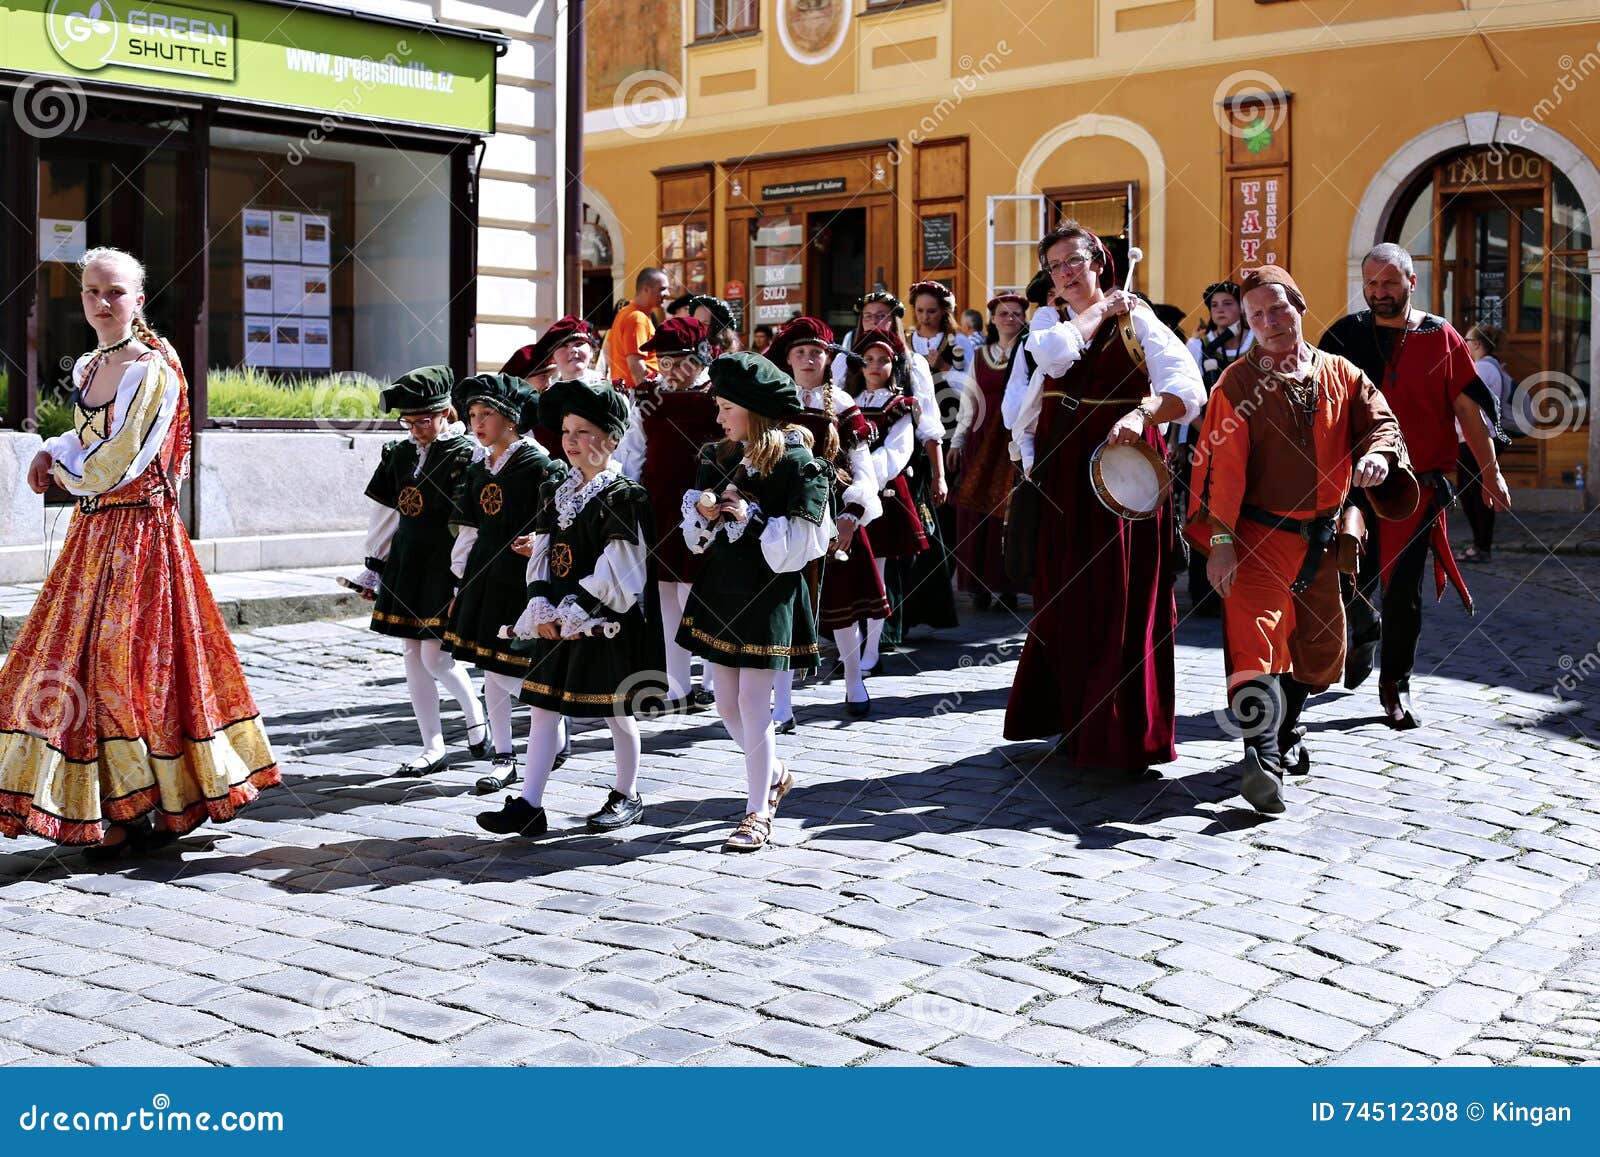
(259, 53)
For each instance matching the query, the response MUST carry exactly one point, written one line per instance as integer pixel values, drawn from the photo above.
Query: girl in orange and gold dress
(125, 720)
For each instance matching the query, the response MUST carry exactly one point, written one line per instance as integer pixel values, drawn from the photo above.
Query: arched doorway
(1498, 217)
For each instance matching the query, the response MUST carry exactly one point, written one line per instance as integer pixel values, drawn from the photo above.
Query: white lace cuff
(369, 579)
(574, 620)
(735, 529)
(697, 532)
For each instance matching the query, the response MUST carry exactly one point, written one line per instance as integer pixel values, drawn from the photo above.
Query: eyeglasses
(1071, 264)
(421, 423)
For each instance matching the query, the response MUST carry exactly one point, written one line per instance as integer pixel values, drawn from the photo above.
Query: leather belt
(1317, 534)
(94, 503)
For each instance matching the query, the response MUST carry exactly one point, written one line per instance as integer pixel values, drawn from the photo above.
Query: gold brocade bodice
(92, 424)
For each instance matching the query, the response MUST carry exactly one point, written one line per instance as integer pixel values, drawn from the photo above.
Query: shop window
(1570, 225)
(686, 256)
(714, 18)
(329, 262)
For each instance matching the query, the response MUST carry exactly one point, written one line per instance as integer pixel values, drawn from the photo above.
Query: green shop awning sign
(259, 53)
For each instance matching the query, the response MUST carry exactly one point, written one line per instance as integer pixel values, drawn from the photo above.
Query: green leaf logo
(84, 39)
(1257, 135)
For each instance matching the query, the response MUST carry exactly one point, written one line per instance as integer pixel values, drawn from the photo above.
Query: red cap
(800, 331)
(681, 335)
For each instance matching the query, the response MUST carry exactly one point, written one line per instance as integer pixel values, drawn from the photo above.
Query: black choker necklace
(114, 346)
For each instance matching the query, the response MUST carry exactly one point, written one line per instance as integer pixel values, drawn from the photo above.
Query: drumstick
(608, 630)
(1135, 255)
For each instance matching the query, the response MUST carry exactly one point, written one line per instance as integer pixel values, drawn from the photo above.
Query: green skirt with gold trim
(741, 614)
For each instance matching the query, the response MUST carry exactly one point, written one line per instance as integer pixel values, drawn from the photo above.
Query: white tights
(428, 668)
(869, 658)
(673, 598)
(744, 699)
(848, 640)
(500, 694)
(546, 736)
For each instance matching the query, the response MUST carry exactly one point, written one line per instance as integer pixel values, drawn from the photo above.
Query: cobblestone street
(936, 894)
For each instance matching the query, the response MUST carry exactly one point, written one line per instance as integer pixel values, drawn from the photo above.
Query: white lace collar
(791, 437)
(453, 430)
(480, 452)
(574, 493)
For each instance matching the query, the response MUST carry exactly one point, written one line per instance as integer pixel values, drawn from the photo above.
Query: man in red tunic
(1428, 378)
(1097, 665)
(1288, 431)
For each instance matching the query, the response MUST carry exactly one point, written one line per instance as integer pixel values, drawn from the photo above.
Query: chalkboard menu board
(939, 242)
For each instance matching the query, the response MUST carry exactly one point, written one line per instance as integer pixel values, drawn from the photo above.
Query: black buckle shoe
(502, 774)
(516, 817)
(700, 700)
(617, 812)
(784, 728)
(419, 767)
(858, 710)
(480, 749)
(1261, 786)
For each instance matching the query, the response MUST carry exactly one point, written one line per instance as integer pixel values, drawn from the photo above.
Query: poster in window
(697, 277)
(257, 234)
(286, 342)
(672, 243)
(258, 341)
(258, 287)
(62, 239)
(316, 344)
(288, 289)
(285, 235)
(314, 247)
(314, 302)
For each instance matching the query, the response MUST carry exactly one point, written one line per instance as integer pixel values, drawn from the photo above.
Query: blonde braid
(830, 440)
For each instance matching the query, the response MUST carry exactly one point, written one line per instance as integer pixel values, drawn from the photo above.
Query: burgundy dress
(897, 532)
(676, 424)
(851, 589)
(987, 475)
(1097, 665)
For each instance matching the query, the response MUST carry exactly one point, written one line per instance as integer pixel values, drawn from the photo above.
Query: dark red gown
(984, 488)
(850, 589)
(1097, 665)
(676, 424)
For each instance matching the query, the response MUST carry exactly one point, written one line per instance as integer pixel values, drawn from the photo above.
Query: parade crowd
(583, 536)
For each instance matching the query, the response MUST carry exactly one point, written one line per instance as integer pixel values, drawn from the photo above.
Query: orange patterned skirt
(123, 696)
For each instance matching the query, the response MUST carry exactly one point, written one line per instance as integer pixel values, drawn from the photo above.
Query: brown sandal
(751, 835)
(780, 788)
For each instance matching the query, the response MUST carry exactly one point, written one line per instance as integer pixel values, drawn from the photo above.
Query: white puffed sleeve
(538, 609)
(382, 522)
(697, 532)
(466, 539)
(1171, 368)
(891, 458)
(864, 484)
(930, 426)
(538, 568)
(971, 405)
(619, 575)
(788, 544)
(146, 400)
(631, 450)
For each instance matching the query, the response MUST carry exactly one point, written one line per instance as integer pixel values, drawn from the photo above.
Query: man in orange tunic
(1288, 431)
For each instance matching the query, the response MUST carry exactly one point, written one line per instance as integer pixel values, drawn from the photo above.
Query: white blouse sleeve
(788, 544)
(697, 532)
(538, 568)
(1171, 369)
(631, 450)
(466, 539)
(864, 484)
(382, 522)
(971, 403)
(147, 398)
(619, 575)
(890, 459)
(1016, 388)
(930, 426)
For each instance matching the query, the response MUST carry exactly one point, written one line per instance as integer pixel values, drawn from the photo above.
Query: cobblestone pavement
(936, 895)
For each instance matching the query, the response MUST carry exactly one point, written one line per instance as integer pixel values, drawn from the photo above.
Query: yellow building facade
(790, 154)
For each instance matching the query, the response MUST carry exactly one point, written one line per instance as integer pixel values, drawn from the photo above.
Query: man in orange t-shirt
(633, 326)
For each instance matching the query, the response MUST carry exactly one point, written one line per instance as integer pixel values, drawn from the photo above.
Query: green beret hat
(751, 381)
(595, 402)
(510, 396)
(424, 390)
